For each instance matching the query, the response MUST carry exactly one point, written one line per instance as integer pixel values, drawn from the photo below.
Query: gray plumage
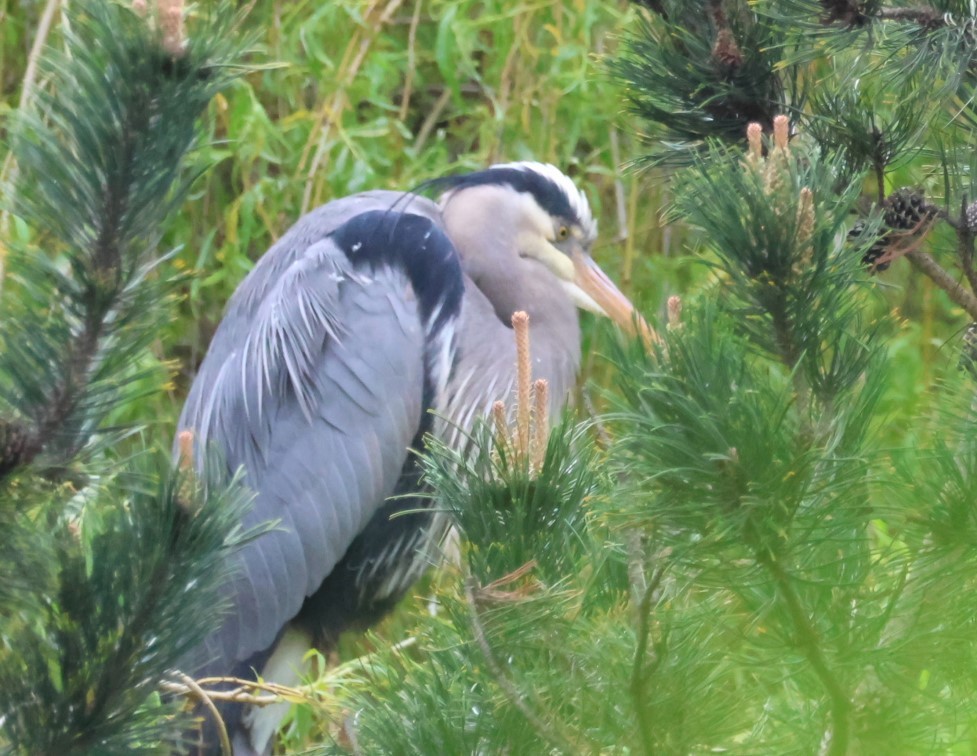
(328, 362)
(312, 404)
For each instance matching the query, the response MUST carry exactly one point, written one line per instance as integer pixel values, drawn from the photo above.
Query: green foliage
(878, 95)
(705, 76)
(533, 589)
(117, 604)
(749, 493)
(112, 562)
(773, 224)
(103, 156)
(772, 577)
(509, 514)
(771, 548)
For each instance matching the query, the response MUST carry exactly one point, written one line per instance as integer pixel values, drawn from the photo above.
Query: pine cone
(968, 350)
(725, 51)
(846, 11)
(873, 253)
(17, 445)
(970, 217)
(905, 209)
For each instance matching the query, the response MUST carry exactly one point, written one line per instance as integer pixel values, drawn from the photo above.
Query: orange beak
(609, 300)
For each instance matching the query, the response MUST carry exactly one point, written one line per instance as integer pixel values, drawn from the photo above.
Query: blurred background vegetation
(351, 95)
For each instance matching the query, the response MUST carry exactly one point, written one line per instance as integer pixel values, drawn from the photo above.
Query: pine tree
(112, 556)
(744, 554)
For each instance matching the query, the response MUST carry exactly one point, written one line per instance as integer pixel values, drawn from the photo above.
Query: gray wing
(311, 228)
(313, 383)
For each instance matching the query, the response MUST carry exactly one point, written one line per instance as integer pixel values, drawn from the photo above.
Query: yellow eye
(563, 233)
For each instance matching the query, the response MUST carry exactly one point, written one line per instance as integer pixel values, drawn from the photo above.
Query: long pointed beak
(609, 300)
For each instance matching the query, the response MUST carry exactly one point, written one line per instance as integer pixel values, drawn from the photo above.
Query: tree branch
(201, 696)
(549, 732)
(809, 643)
(957, 293)
(639, 672)
(965, 244)
(926, 17)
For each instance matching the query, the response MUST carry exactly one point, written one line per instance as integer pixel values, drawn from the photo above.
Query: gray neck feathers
(485, 369)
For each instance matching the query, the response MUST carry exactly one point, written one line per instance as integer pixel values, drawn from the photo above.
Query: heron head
(528, 220)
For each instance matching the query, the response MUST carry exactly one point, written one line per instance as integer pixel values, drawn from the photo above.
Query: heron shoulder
(315, 226)
(416, 244)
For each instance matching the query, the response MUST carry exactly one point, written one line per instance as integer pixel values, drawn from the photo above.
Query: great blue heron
(371, 317)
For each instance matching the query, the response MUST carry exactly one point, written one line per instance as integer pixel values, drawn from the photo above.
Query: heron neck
(487, 352)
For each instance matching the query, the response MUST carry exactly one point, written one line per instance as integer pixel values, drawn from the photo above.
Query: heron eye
(563, 233)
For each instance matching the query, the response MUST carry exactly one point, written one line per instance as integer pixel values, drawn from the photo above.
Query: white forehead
(575, 196)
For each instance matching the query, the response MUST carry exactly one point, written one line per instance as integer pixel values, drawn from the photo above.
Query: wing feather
(314, 385)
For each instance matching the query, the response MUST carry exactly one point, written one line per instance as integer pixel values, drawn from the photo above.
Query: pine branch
(544, 723)
(810, 645)
(928, 18)
(130, 590)
(99, 158)
(925, 263)
(640, 670)
(854, 15)
(80, 677)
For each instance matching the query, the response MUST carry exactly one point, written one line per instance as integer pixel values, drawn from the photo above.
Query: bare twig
(411, 65)
(507, 77)
(929, 18)
(37, 48)
(493, 593)
(204, 698)
(250, 691)
(264, 693)
(620, 199)
(620, 196)
(432, 119)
